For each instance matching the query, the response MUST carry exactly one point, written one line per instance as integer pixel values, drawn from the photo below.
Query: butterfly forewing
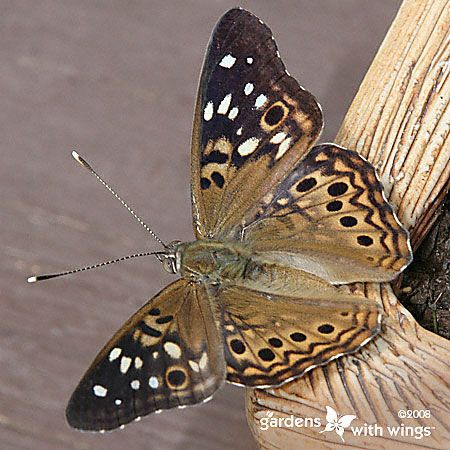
(329, 217)
(252, 122)
(168, 354)
(270, 339)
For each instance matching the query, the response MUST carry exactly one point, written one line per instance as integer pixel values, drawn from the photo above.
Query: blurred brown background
(117, 81)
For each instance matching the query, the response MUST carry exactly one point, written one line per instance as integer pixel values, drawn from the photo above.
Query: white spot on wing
(283, 148)
(250, 60)
(99, 390)
(138, 362)
(248, 88)
(117, 401)
(114, 353)
(203, 361)
(194, 366)
(208, 111)
(239, 131)
(233, 113)
(155, 355)
(260, 100)
(224, 104)
(125, 364)
(227, 61)
(135, 384)
(153, 382)
(172, 349)
(248, 146)
(278, 138)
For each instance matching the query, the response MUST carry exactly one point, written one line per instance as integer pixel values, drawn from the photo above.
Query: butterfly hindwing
(329, 217)
(168, 354)
(252, 122)
(270, 338)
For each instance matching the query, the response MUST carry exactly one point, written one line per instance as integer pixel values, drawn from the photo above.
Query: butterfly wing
(271, 339)
(252, 122)
(329, 217)
(168, 354)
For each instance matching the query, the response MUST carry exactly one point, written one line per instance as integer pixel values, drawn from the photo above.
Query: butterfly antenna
(94, 266)
(86, 165)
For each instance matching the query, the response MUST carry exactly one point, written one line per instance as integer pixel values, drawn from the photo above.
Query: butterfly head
(171, 257)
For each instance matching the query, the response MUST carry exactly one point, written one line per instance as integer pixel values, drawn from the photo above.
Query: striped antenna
(33, 279)
(86, 165)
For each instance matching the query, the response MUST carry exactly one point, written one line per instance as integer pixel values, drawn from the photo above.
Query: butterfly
(279, 225)
(337, 423)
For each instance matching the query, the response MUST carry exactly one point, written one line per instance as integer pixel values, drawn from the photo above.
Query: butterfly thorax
(213, 261)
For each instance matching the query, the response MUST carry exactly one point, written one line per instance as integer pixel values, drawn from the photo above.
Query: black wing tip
(236, 11)
(234, 14)
(75, 420)
(74, 416)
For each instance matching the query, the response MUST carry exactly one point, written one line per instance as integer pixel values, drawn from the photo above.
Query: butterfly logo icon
(337, 423)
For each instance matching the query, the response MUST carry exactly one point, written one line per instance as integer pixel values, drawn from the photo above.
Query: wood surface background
(117, 81)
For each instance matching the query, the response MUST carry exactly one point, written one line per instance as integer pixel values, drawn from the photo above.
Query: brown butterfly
(278, 228)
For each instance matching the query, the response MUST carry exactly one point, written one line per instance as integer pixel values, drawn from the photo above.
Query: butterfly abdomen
(263, 274)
